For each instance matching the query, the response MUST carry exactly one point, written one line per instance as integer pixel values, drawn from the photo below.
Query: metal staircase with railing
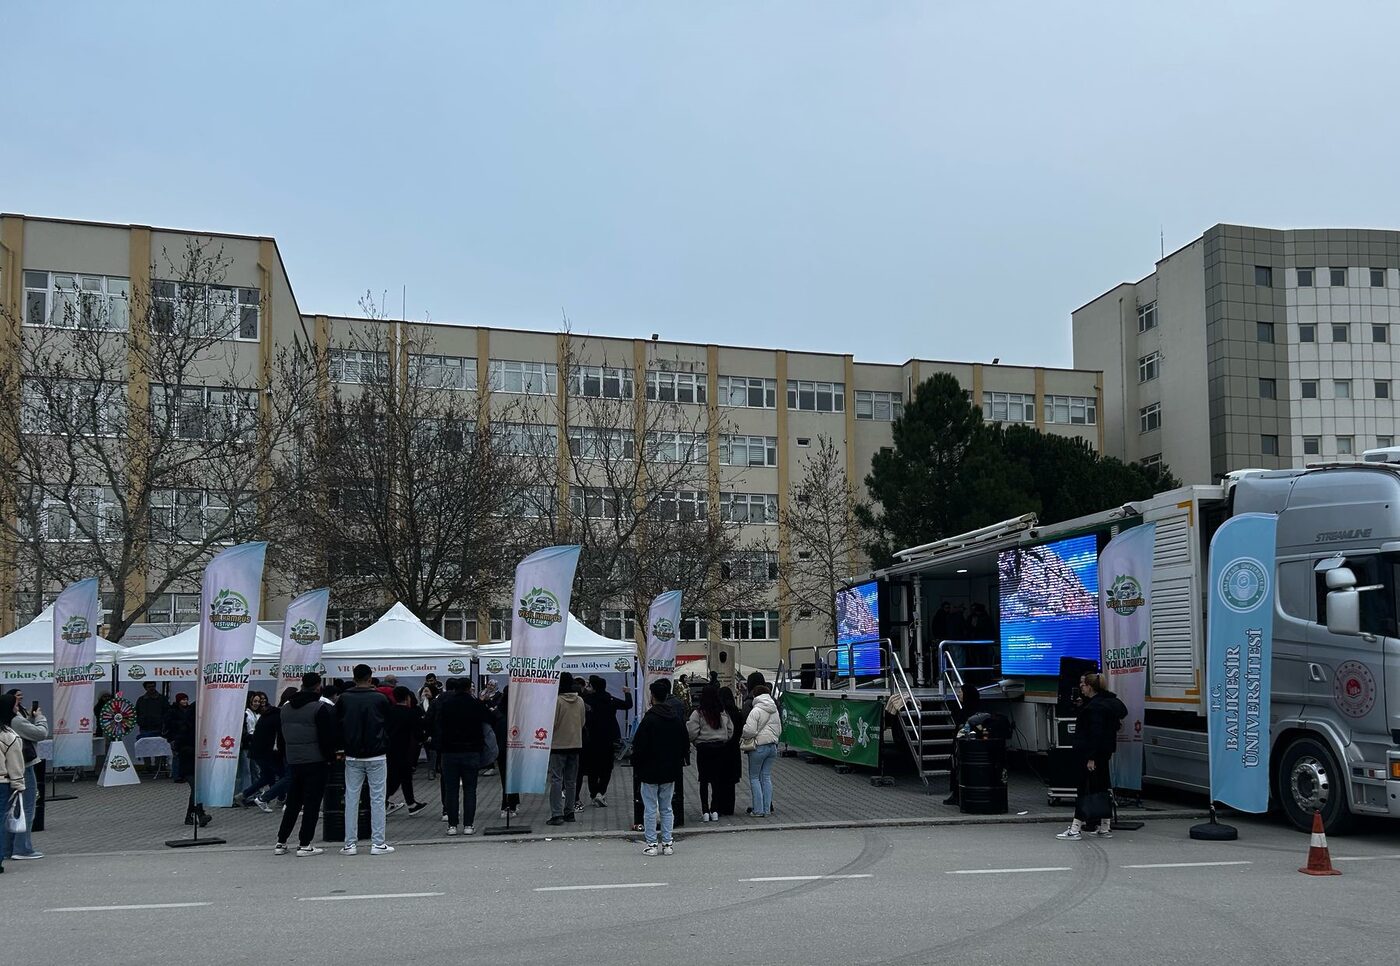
(926, 721)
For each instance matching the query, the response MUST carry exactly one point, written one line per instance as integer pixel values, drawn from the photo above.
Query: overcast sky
(943, 180)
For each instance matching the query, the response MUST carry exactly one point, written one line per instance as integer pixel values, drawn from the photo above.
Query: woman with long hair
(710, 730)
(725, 791)
(762, 730)
(1095, 737)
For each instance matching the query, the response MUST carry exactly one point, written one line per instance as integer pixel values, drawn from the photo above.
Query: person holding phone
(12, 770)
(32, 728)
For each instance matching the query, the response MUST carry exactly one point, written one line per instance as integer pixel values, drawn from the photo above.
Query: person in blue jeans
(362, 712)
(12, 770)
(762, 730)
(658, 760)
(459, 730)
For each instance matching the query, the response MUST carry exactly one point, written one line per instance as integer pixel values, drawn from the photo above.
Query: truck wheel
(1310, 779)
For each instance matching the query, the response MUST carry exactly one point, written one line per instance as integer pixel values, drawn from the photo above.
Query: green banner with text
(843, 729)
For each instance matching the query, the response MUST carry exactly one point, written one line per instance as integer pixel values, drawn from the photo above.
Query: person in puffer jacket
(710, 730)
(761, 733)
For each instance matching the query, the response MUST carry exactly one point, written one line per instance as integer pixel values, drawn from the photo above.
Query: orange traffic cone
(1319, 858)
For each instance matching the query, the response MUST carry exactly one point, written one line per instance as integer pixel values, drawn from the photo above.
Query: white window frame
(749, 625)
(1151, 462)
(601, 382)
(185, 515)
(459, 626)
(757, 565)
(664, 385)
(529, 439)
(1072, 410)
(230, 312)
(876, 404)
(675, 447)
(593, 443)
(1150, 418)
(754, 508)
(80, 514)
(1346, 445)
(599, 503)
(76, 300)
(731, 445)
(358, 367)
(524, 378)
(1149, 367)
(442, 372)
(682, 506)
(618, 624)
(1008, 407)
(1147, 316)
(740, 392)
(806, 395)
(198, 409)
(694, 628)
(1341, 389)
(108, 402)
(173, 608)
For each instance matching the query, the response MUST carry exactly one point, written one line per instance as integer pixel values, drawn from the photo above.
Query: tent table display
(398, 643)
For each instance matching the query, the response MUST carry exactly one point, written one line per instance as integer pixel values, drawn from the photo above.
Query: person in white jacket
(12, 770)
(761, 733)
(32, 727)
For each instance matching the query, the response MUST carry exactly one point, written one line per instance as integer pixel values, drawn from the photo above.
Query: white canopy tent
(397, 643)
(585, 652)
(26, 655)
(175, 658)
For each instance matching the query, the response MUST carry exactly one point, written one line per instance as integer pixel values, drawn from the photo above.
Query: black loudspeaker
(1071, 670)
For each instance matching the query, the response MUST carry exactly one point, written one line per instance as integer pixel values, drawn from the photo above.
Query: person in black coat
(1095, 739)
(600, 736)
(725, 787)
(501, 721)
(405, 725)
(659, 750)
(179, 731)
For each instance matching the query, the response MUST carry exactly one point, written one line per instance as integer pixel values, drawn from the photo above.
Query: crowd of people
(383, 731)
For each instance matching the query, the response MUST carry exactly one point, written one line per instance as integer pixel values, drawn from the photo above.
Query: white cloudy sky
(942, 180)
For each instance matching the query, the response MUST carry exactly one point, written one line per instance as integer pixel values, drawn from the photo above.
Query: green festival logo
(1125, 596)
(229, 610)
(136, 672)
(663, 630)
(75, 630)
(540, 608)
(305, 632)
(455, 666)
(495, 666)
(1243, 585)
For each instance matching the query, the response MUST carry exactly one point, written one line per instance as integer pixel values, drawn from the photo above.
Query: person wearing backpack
(1095, 740)
(762, 730)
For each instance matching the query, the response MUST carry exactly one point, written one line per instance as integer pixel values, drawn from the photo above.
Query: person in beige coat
(710, 730)
(564, 751)
(12, 762)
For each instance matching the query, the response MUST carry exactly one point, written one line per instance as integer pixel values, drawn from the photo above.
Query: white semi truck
(1335, 737)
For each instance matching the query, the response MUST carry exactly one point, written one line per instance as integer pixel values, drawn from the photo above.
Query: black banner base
(191, 843)
(882, 781)
(1214, 832)
(60, 798)
(506, 830)
(1127, 826)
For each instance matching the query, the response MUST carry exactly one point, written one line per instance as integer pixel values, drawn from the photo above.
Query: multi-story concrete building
(1249, 347)
(774, 403)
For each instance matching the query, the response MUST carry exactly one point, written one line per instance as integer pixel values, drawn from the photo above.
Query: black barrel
(982, 776)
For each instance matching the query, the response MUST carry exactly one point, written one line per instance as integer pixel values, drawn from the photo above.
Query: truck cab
(1336, 683)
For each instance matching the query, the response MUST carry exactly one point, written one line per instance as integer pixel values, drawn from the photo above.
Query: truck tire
(1310, 779)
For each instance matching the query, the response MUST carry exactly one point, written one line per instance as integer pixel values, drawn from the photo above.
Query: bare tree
(825, 537)
(142, 426)
(639, 499)
(406, 494)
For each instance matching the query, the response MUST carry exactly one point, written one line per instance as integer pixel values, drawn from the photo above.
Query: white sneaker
(381, 849)
(667, 848)
(505, 813)
(1070, 834)
(350, 850)
(704, 816)
(306, 850)
(279, 849)
(652, 849)
(1103, 832)
(468, 830)
(714, 816)
(444, 816)
(262, 805)
(393, 807)
(451, 830)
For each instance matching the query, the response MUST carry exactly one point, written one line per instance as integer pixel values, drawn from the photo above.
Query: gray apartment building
(1249, 347)
(775, 402)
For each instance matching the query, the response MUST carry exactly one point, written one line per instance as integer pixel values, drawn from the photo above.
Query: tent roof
(33, 643)
(584, 650)
(184, 647)
(398, 642)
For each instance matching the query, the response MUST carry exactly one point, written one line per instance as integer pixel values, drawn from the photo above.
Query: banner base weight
(506, 830)
(1213, 832)
(191, 843)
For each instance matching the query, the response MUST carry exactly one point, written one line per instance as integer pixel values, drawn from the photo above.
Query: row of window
(176, 515)
(1341, 389)
(1340, 332)
(68, 300)
(1342, 445)
(464, 626)
(1015, 407)
(59, 406)
(1311, 277)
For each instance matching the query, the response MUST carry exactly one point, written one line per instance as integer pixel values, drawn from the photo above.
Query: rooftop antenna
(1162, 239)
(403, 303)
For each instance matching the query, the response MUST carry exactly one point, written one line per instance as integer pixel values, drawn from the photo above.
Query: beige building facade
(772, 404)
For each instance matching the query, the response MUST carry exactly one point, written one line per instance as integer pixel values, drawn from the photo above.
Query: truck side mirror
(1343, 610)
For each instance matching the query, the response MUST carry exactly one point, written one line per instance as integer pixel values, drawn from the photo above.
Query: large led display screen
(858, 625)
(1049, 602)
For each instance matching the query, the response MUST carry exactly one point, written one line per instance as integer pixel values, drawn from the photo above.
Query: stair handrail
(949, 674)
(912, 708)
